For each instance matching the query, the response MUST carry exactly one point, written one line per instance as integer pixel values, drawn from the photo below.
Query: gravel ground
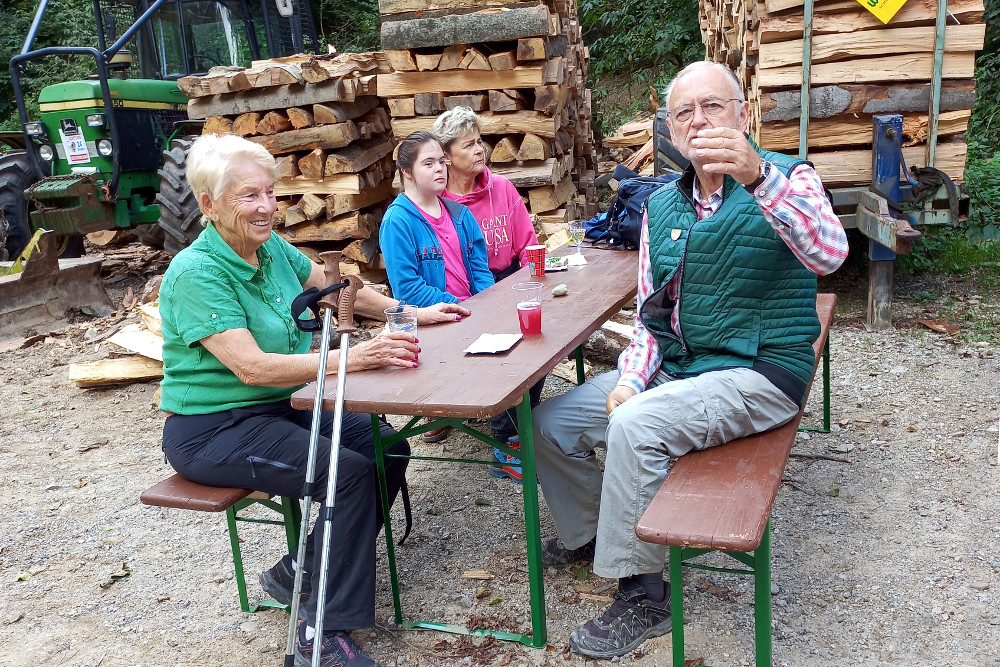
(886, 555)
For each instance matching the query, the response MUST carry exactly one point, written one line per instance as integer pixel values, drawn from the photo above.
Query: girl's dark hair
(406, 153)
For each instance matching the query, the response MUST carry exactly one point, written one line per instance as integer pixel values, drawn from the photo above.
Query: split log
(504, 60)
(312, 206)
(265, 100)
(486, 26)
(520, 122)
(322, 136)
(110, 372)
(554, 71)
(317, 69)
(914, 12)
(850, 130)
(311, 166)
(362, 251)
(855, 167)
(541, 48)
(474, 59)
(827, 101)
(401, 6)
(401, 60)
(358, 156)
(286, 166)
(902, 67)
(373, 124)
(300, 117)
(549, 197)
(534, 174)
(324, 114)
(246, 124)
(214, 82)
(217, 125)
(274, 122)
(534, 147)
(265, 76)
(294, 215)
(456, 81)
(428, 104)
(505, 150)
(862, 44)
(501, 101)
(401, 107)
(428, 61)
(337, 184)
(451, 58)
(355, 225)
(550, 99)
(337, 205)
(474, 102)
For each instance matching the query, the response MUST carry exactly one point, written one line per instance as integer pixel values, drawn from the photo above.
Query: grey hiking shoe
(279, 581)
(630, 620)
(555, 553)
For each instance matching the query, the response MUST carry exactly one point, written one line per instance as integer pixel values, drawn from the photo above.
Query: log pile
(523, 68)
(859, 68)
(330, 136)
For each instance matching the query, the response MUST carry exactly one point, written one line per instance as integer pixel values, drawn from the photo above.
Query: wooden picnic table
(450, 386)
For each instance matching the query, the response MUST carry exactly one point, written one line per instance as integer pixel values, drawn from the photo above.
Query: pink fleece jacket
(503, 217)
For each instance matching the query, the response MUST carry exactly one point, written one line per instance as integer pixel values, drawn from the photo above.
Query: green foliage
(946, 249)
(347, 25)
(66, 23)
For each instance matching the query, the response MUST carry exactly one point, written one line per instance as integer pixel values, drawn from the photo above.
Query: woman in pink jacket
(498, 208)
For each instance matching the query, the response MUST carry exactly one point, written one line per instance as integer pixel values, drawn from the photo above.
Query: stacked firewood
(523, 68)
(321, 119)
(860, 67)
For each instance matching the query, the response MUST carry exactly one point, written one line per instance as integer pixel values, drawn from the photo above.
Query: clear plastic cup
(402, 318)
(528, 297)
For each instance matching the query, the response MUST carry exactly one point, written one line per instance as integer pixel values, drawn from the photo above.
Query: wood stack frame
(859, 68)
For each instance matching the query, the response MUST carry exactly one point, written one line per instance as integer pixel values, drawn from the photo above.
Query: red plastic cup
(529, 307)
(536, 259)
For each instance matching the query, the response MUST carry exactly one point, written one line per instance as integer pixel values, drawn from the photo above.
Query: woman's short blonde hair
(214, 160)
(456, 123)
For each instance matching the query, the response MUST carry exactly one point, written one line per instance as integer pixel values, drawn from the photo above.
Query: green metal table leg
(390, 549)
(762, 598)
(677, 605)
(581, 375)
(291, 511)
(532, 532)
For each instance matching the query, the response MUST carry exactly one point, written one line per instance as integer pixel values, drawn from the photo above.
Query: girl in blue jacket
(433, 248)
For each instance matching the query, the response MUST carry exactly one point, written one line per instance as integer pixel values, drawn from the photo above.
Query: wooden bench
(179, 493)
(720, 499)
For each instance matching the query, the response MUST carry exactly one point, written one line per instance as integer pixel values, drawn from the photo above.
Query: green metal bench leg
(291, 511)
(532, 534)
(826, 386)
(762, 598)
(234, 542)
(390, 547)
(581, 374)
(677, 605)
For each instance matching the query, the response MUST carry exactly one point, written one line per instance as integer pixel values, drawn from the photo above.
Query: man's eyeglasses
(711, 109)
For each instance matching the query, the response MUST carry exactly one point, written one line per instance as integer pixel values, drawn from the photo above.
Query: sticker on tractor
(883, 10)
(75, 146)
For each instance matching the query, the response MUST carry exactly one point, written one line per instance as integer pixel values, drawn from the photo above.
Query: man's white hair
(701, 65)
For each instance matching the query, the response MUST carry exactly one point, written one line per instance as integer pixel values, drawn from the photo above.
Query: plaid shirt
(799, 212)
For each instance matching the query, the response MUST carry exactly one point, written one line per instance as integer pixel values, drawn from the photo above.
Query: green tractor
(109, 152)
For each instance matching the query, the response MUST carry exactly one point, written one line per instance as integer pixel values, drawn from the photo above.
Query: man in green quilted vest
(722, 347)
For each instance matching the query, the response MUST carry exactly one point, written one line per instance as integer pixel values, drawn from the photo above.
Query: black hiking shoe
(279, 581)
(555, 553)
(338, 650)
(630, 620)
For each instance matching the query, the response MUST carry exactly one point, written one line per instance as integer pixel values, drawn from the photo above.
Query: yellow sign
(883, 10)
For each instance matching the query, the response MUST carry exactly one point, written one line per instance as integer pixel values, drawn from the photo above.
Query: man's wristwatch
(765, 169)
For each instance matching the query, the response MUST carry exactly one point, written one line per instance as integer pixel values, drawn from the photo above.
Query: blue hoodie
(413, 257)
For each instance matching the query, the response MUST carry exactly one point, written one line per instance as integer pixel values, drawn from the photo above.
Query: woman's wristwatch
(765, 170)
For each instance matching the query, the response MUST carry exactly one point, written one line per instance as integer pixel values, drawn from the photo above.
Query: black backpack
(621, 225)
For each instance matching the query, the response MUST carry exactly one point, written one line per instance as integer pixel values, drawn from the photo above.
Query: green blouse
(208, 289)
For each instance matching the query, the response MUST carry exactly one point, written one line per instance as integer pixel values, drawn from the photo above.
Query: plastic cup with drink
(528, 297)
(402, 317)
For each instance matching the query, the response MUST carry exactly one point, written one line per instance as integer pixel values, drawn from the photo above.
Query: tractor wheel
(16, 176)
(180, 216)
(150, 235)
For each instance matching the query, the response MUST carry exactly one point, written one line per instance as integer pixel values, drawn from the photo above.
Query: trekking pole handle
(331, 269)
(345, 313)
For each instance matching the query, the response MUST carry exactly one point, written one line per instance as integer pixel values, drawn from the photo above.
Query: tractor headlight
(46, 153)
(96, 120)
(34, 129)
(104, 147)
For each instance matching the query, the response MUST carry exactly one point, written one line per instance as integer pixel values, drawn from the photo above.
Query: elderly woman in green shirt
(232, 357)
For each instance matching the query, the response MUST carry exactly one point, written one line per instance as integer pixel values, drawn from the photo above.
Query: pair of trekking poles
(338, 295)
